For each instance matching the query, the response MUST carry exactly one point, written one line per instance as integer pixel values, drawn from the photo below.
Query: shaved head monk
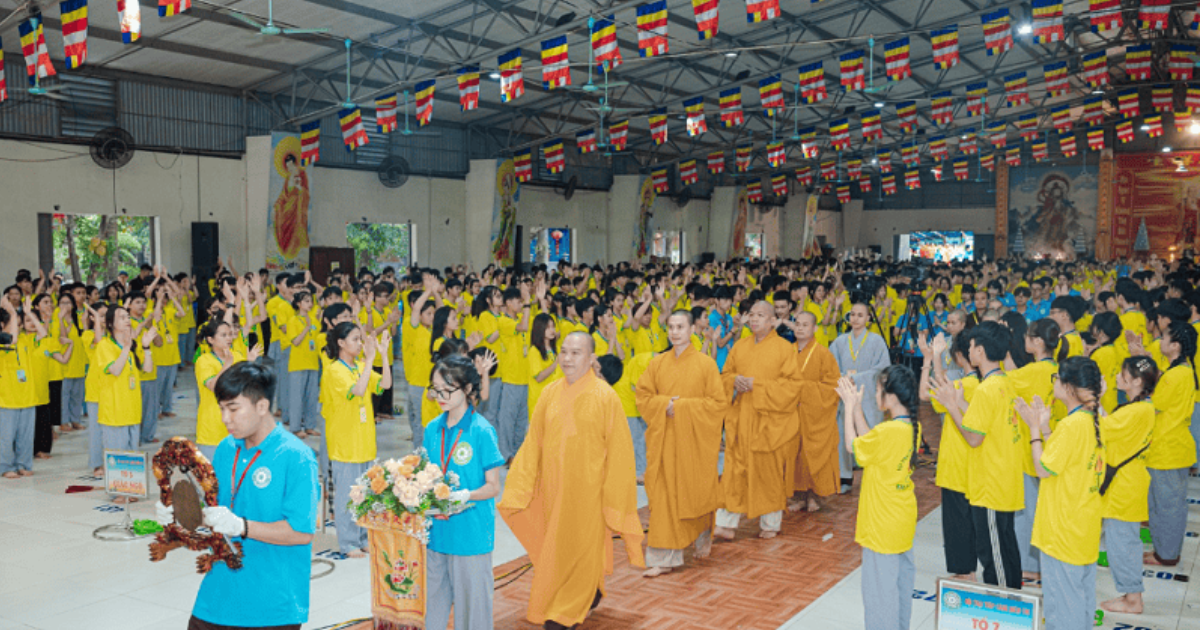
(571, 487)
(815, 468)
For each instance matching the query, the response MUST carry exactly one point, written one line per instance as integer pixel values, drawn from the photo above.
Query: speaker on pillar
(205, 248)
(519, 254)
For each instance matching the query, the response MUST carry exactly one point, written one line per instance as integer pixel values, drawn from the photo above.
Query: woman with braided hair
(1070, 462)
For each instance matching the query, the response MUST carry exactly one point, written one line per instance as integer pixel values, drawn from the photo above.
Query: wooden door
(324, 260)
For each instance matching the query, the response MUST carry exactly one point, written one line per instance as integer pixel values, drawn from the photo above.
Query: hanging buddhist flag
(688, 173)
(1105, 15)
(883, 159)
(779, 185)
(770, 92)
(761, 10)
(130, 13)
(871, 127)
(937, 172)
(716, 162)
(804, 176)
(556, 67)
(967, 142)
(385, 113)
(776, 155)
(1012, 157)
(1162, 97)
(1095, 138)
(1093, 111)
(864, 183)
(852, 70)
(659, 175)
(1125, 131)
(742, 157)
(1154, 126)
(553, 153)
(937, 148)
(585, 141)
(912, 179)
(808, 143)
(33, 47)
(1056, 78)
(961, 170)
(1181, 63)
(839, 134)
(425, 101)
(843, 193)
(310, 142)
(618, 135)
(1192, 100)
(945, 47)
(1060, 116)
(706, 12)
(696, 124)
(997, 31)
(512, 81)
(1127, 103)
(3, 80)
(1154, 14)
(468, 88)
(1040, 151)
(167, 8)
(895, 55)
(652, 29)
(658, 125)
(605, 50)
(906, 115)
(988, 161)
(1138, 62)
(1066, 143)
(812, 82)
(1195, 25)
(977, 98)
(1095, 68)
(1027, 126)
(1016, 89)
(853, 168)
(353, 134)
(523, 165)
(74, 17)
(888, 183)
(828, 171)
(754, 190)
(1047, 21)
(731, 107)
(909, 154)
(943, 108)
(1183, 120)
(997, 134)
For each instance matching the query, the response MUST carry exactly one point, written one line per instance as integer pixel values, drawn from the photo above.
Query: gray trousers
(187, 346)
(887, 589)
(16, 439)
(165, 381)
(280, 353)
(208, 451)
(1023, 526)
(637, 430)
(119, 438)
(72, 400)
(463, 583)
(303, 411)
(1123, 544)
(1168, 511)
(1196, 432)
(845, 458)
(1068, 594)
(149, 410)
(415, 396)
(350, 536)
(95, 440)
(514, 419)
(491, 408)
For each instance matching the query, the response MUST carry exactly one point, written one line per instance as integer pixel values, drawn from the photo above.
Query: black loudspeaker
(205, 248)
(707, 258)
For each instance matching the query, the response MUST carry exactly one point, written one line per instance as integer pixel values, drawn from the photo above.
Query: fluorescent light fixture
(731, 53)
(878, 104)
(1166, 149)
(1194, 128)
(1145, 127)
(1097, 91)
(495, 76)
(1024, 29)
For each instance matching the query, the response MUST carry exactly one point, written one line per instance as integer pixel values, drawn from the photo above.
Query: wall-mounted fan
(112, 148)
(393, 172)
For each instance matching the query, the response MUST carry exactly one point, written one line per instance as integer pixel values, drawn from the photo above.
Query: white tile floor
(55, 575)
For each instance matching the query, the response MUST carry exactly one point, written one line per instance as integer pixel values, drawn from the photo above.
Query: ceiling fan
(270, 28)
(591, 86)
(37, 89)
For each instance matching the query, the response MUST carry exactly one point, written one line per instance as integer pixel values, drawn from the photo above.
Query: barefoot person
(683, 402)
(816, 467)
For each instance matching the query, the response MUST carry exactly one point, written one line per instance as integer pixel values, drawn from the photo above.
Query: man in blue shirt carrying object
(267, 502)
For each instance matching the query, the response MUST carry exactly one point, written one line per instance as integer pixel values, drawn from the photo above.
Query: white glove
(460, 496)
(164, 514)
(223, 521)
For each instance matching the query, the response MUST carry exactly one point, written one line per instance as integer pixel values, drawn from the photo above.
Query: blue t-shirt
(722, 324)
(272, 587)
(472, 532)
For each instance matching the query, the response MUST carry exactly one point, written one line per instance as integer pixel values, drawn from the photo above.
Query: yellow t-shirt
(19, 391)
(626, 387)
(349, 419)
(1125, 432)
(536, 365)
(168, 332)
(513, 368)
(641, 341)
(1074, 344)
(39, 364)
(887, 505)
(994, 473)
(1109, 362)
(418, 363)
(120, 403)
(1033, 379)
(1069, 513)
(304, 354)
(91, 382)
(487, 325)
(278, 313)
(1196, 358)
(1174, 399)
(1135, 321)
(141, 352)
(954, 453)
(210, 430)
(77, 366)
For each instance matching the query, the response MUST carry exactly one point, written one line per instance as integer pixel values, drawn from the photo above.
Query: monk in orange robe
(815, 469)
(762, 378)
(682, 400)
(572, 486)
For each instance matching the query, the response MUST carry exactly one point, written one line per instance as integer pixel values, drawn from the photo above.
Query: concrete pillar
(480, 199)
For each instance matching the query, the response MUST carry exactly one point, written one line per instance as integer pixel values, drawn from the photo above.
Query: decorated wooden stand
(397, 558)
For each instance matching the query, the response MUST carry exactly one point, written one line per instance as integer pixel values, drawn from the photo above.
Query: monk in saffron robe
(682, 400)
(762, 379)
(571, 487)
(815, 469)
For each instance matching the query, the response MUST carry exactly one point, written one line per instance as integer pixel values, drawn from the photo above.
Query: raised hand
(850, 393)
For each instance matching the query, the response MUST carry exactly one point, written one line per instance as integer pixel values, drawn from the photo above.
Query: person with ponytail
(887, 506)
(1070, 461)
(463, 445)
(125, 355)
(1106, 329)
(300, 337)
(347, 387)
(219, 355)
(1126, 433)
(1173, 450)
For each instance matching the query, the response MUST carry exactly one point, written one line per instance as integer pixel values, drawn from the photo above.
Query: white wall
(585, 212)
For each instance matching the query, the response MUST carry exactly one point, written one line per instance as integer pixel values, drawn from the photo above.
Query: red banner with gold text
(1162, 189)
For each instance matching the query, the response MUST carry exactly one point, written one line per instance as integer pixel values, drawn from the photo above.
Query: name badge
(312, 345)
(362, 414)
(133, 382)
(21, 376)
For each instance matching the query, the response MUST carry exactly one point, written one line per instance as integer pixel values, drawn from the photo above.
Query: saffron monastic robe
(681, 452)
(761, 426)
(570, 488)
(816, 464)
